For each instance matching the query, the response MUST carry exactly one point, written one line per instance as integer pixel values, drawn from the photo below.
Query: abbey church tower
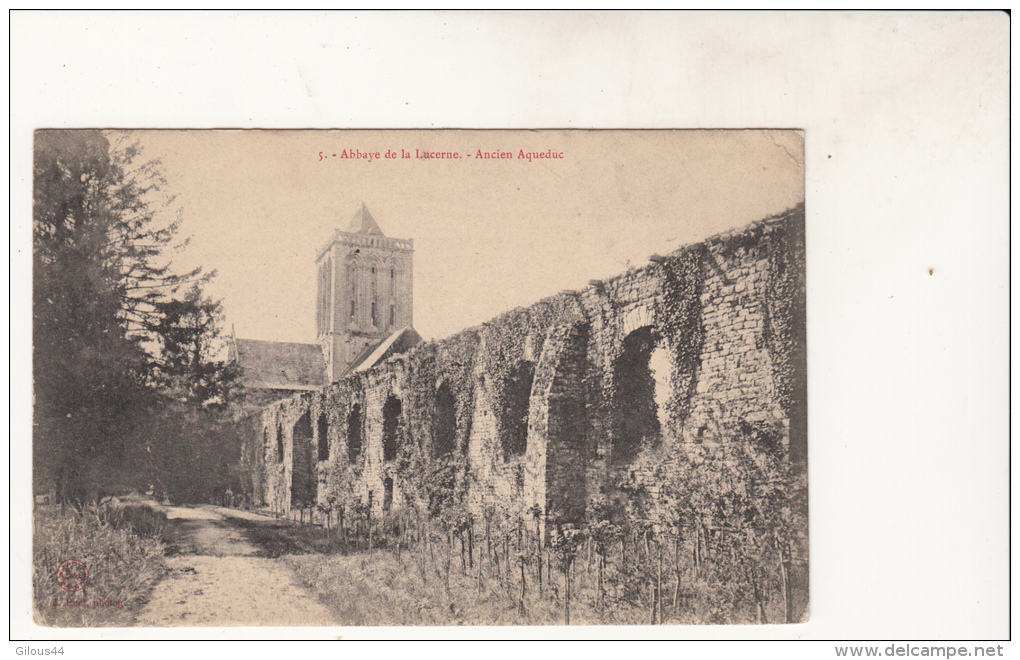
(365, 288)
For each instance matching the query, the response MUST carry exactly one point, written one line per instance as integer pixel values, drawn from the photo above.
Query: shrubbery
(122, 549)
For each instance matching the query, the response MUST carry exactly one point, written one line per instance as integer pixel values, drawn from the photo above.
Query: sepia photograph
(419, 378)
(485, 325)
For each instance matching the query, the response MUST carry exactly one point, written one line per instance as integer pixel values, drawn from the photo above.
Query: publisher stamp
(72, 575)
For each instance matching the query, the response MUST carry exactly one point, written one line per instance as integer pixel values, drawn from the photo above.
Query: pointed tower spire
(366, 291)
(363, 223)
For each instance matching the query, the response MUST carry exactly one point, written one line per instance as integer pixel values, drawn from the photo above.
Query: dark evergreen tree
(104, 293)
(187, 367)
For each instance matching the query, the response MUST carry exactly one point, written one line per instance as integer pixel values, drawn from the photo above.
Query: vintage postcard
(419, 377)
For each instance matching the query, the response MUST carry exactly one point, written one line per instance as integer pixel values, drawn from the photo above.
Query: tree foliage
(117, 331)
(187, 330)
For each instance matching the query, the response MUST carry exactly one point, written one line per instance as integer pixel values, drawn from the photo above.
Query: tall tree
(193, 448)
(186, 365)
(101, 274)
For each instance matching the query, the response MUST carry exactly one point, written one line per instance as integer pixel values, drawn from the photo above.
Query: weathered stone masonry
(547, 403)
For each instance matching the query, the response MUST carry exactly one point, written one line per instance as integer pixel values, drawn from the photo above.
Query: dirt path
(220, 578)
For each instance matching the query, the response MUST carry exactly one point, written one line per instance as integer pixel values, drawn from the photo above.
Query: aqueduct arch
(355, 433)
(302, 491)
(589, 372)
(558, 444)
(635, 411)
(444, 422)
(391, 428)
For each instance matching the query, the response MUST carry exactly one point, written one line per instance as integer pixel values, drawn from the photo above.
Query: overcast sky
(488, 235)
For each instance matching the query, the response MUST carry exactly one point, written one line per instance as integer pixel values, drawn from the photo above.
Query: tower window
(375, 296)
(352, 283)
(393, 314)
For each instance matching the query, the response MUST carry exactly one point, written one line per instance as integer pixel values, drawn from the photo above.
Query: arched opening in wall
(517, 401)
(391, 426)
(444, 422)
(303, 429)
(387, 502)
(354, 434)
(323, 428)
(635, 410)
(279, 443)
(302, 483)
(661, 367)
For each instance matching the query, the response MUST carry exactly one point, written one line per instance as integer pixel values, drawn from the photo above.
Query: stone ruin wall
(739, 369)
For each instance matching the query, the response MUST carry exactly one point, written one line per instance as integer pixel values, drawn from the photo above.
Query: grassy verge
(119, 547)
(379, 589)
(392, 579)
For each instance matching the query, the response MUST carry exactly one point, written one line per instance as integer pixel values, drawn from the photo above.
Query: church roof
(399, 342)
(278, 365)
(363, 223)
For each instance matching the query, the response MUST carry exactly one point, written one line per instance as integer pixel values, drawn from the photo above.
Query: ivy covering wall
(729, 312)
